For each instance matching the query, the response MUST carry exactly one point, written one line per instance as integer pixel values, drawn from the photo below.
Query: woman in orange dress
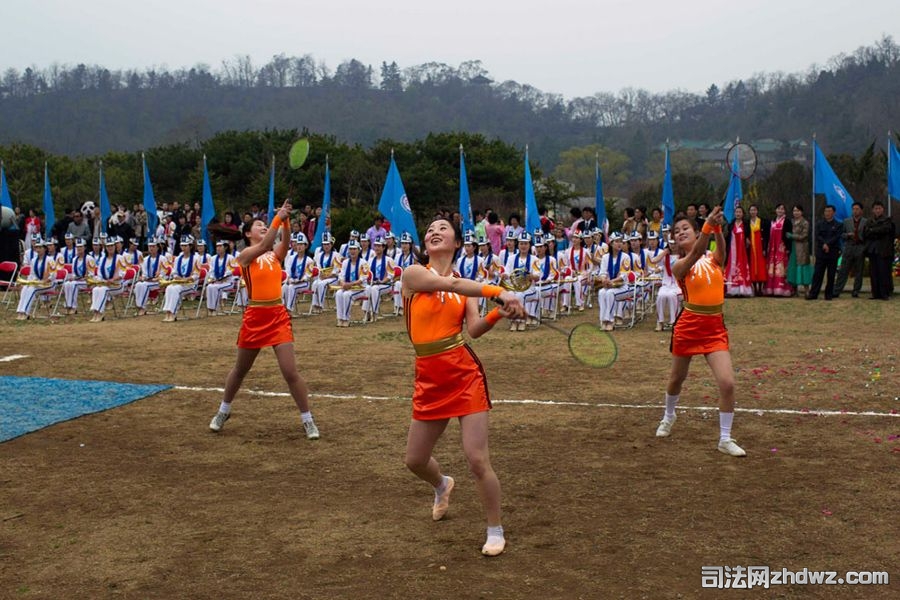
(266, 322)
(450, 381)
(700, 327)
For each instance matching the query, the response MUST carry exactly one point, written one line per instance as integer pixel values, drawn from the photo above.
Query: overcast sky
(570, 47)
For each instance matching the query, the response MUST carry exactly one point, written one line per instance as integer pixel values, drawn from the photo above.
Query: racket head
(298, 153)
(592, 346)
(746, 160)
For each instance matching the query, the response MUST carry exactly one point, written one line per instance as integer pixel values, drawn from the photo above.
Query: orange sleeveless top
(704, 285)
(433, 316)
(263, 278)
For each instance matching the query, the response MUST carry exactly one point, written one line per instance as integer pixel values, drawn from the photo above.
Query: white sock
(306, 417)
(725, 420)
(496, 532)
(671, 401)
(225, 407)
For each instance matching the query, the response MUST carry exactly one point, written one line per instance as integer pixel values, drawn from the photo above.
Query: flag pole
(812, 217)
(890, 143)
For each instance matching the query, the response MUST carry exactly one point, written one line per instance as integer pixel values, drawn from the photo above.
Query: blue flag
(5, 200)
(394, 205)
(734, 194)
(828, 184)
(532, 218)
(49, 213)
(105, 210)
(208, 210)
(893, 171)
(149, 201)
(465, 204)
(668, 195)
(600, 202)
(326, 211)
(272, 192)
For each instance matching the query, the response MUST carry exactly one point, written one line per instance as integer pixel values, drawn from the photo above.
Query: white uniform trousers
(214, 292)
(71, 289)
(529, 299)
(142, 291)
(289, 292)
(612, 302)
(29, 294)
(667, 297)
(375, 292)
(175, 292)
(398, 297)
(319, 287)
(101, 293)
(548, 295)
(343, 299)
(575, 290)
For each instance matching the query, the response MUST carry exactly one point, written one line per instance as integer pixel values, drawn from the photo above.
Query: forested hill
(86, 110)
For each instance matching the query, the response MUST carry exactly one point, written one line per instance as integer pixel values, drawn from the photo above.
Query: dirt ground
(155, 506)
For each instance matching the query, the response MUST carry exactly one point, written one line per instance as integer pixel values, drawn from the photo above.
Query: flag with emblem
(394, 204)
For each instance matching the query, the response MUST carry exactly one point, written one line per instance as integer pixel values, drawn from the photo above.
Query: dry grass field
(142, 501)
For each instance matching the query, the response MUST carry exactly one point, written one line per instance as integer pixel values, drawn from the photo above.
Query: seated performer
(381, 269)
(299, 269)
(68, 250)
(83, 266)
(520, 265)
(222, 277)
(578, 266)
(668, 298)
(183, 279)
(107, 280)
(153, 266)
(133, 257)
(41, 279)
(546, 274)
(353, 273)
(614, 284)
(327, 262)
(405, 258)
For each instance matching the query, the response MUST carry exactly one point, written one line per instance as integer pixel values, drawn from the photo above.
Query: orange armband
(493, 317)
(276, 222)
(491, 291)
(709, 229)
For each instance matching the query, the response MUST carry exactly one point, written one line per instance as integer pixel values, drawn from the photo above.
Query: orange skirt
(265, 326)
(695, 334)
(449, 384)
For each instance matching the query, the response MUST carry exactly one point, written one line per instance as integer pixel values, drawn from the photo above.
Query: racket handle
(498, 301)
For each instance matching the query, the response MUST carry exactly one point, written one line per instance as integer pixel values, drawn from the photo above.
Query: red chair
(8, 271)
(127, 289)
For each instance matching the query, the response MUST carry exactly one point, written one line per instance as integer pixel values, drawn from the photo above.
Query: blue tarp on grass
(31, 403)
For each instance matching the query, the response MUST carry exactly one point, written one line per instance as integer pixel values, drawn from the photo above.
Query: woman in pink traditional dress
(777, 256)
(737, 269)
(759, 232)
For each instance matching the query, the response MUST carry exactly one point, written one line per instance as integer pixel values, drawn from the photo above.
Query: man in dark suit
(828, 250)
(879, 234)
(853, 255)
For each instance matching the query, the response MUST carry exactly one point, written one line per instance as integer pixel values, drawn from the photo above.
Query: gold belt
(700, 309)
(438, 346)
(274, 302)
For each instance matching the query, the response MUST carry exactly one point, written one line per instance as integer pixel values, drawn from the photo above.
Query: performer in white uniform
(547, 274)
(134, 257)
(41, 279)
(328, 264)
(83, 266)
(223, 275)
(108, 279)
(577, 262)
(299, 269)
(404, 259)
(185, 274)
(68, 250)
(153, 266)
(381, 269)
(353, 272)
(668, 298)
(614, 287)
(521, 263)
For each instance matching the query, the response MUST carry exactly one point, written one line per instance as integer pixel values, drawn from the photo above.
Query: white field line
(12, 357)
(757, 411)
